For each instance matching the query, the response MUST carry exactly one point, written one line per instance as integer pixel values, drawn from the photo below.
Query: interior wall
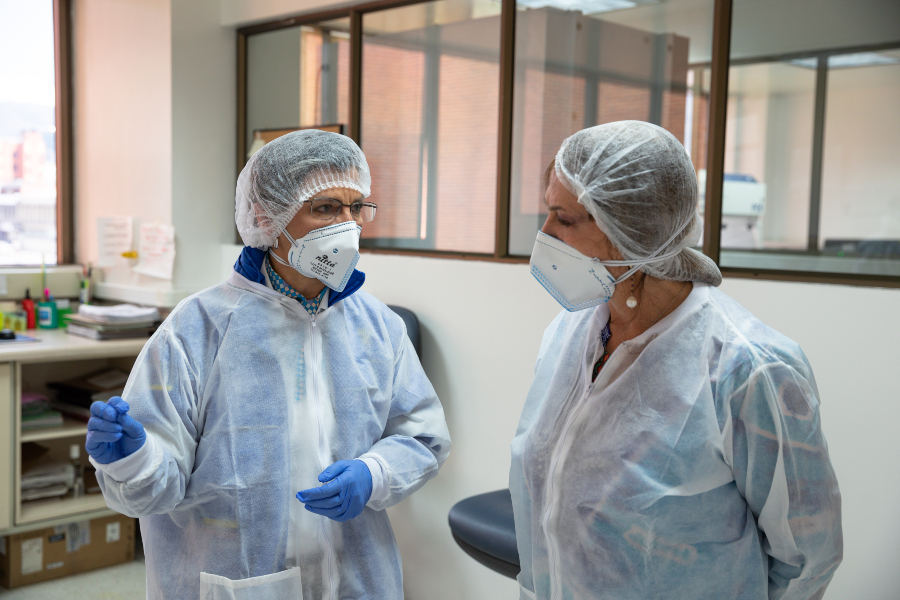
(860, 178)
(122, 64)
(244, 12)
(273, 81)
(204, 104)
(482, 324)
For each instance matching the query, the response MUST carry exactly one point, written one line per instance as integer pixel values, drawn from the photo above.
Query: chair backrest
(412, 327)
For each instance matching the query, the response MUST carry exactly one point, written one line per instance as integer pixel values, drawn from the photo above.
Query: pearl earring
(631, 302)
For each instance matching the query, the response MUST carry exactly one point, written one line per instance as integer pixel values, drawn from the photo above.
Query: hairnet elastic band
(653, 257)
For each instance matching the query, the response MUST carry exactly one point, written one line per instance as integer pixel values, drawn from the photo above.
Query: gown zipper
(553, 474)
(323, 456)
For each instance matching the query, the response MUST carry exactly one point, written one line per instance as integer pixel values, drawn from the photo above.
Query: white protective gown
(694, 468)
(246, 399)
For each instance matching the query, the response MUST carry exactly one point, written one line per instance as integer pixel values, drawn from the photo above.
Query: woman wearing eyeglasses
(272, 418)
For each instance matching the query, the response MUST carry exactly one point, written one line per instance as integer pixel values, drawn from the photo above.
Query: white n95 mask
(575, 280)
(328, 254)
(578, 281)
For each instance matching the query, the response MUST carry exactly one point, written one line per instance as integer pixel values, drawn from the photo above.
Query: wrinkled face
(571, 223)
(305, 220)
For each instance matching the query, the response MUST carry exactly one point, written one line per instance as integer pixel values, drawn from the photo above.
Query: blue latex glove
(112, 432)
(345, 495)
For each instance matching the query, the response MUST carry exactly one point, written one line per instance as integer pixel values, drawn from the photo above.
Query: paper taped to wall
(115, 235)
(156, 254)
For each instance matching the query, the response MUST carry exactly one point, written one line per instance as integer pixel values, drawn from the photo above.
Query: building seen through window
(27, 134)
(430, 92)
(298, 77)
(587, 63)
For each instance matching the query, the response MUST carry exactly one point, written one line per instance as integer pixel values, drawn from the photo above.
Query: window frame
(719, 66)
(65, 211)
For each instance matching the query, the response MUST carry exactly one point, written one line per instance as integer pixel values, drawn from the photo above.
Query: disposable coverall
(246, 399)
(693, 468)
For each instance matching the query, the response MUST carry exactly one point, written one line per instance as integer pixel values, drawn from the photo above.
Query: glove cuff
(380, 485)
(135, 466)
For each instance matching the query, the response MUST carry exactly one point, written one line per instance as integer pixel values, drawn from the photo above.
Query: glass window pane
(860, 172)
(27, 134)
(768, 156)
(817, 127)
(298, 77)
(430, 94)
(602, 63)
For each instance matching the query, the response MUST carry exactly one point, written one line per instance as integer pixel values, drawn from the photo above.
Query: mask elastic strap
(292, 240)
(278, 258)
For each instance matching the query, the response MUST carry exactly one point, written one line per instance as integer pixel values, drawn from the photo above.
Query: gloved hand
(112, 432)
(345, 495)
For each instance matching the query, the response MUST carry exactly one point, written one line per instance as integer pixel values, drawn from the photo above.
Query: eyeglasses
(328, 209)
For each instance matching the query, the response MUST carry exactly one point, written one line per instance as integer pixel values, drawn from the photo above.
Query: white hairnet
(637, 181)
(287, 172)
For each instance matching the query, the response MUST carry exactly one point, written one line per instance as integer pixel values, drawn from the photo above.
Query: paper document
(119, 313)
(156, 254)
(115, 235)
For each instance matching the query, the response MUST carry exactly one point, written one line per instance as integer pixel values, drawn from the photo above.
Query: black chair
(412, 327)
(484, 528)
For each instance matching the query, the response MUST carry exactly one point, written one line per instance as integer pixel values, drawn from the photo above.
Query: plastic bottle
(47, 315)
(28, 307)
(75, 458)
(63, 308)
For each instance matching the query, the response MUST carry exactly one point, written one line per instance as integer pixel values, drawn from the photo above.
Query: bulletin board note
(115, 236)
(156, 252)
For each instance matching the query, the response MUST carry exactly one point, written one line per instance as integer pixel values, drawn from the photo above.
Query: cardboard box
(65, 550)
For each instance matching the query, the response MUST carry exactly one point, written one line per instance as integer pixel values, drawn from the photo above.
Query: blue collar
(249, 266)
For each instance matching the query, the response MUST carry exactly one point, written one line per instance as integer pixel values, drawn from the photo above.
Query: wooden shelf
(50, 508)
(69, 428)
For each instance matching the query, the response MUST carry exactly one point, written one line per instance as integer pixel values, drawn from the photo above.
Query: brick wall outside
(552, 106)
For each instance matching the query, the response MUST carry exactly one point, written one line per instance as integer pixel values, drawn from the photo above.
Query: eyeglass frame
(335, 201)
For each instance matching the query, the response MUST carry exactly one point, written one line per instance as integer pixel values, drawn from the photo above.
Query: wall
(273, 81)
(204, 84)
(482, 324)
(860, 181)
(123, 113)
(154, 132)
(244, 12)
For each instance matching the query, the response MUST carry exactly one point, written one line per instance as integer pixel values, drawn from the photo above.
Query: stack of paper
(37, 414)
(119, 313)
(48, 480)
(42, 476)
(113, 322)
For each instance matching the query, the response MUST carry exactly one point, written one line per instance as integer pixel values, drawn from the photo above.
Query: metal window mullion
(592, 75)
(505, 126)
(718, 105)
(429, 141)
(356, 47)
(818, 151)
(65, 213)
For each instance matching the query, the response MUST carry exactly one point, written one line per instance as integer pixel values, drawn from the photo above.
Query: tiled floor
(127, 581)
(121, 582)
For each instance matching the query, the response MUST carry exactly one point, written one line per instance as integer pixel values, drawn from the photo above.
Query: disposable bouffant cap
(287, 172)
(637, 181)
